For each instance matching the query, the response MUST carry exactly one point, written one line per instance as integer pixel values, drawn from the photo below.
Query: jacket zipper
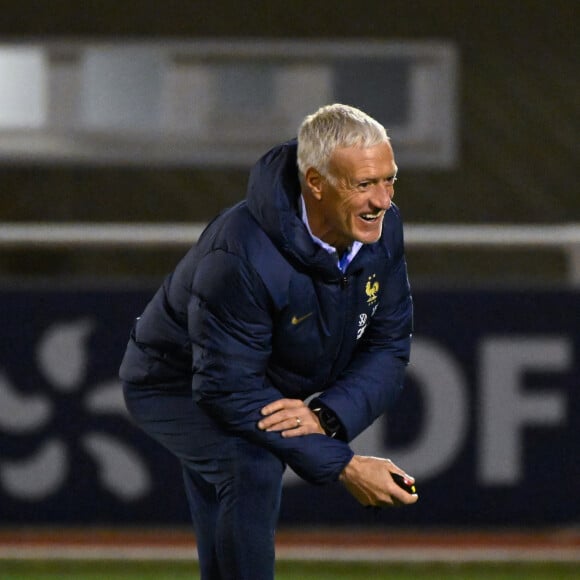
(344, 283)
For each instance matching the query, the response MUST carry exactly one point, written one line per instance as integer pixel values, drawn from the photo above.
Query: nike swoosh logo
(297, 320)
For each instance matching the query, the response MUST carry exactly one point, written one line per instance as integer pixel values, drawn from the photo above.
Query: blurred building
(515, 124)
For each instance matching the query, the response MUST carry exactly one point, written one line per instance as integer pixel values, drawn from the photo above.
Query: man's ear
(314, 182)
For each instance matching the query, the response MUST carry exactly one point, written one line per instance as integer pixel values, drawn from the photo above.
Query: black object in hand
(400, 481)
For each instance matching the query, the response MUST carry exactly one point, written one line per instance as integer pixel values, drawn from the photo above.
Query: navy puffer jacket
(256, 311)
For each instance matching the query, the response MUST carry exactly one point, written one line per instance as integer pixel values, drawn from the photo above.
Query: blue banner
(488, 422)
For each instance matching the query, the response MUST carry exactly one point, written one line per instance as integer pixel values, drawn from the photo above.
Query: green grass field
(286, 570)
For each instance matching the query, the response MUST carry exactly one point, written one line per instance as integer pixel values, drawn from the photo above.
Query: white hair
(331, 127)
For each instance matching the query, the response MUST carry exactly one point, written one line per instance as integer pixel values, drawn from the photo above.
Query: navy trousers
(233, 486)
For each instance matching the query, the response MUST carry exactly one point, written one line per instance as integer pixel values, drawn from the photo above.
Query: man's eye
(364, 184)
(391, 180)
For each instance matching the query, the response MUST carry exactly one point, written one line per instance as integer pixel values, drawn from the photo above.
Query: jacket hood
(273, 200)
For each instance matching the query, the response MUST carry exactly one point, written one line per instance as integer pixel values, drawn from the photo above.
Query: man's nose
(383, 195)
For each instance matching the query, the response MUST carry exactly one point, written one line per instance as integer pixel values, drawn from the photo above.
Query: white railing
(31, 235)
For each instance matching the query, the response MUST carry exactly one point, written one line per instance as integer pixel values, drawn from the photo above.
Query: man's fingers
(281, 421)
(271, 408)
(395, 469)
(282, 404)
(371, 480)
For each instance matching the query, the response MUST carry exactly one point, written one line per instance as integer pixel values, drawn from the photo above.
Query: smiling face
(350, 203)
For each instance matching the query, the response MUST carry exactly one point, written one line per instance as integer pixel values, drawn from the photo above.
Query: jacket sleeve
(230, 328)
(374, 378)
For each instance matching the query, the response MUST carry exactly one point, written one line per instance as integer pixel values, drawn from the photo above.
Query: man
(299, 290)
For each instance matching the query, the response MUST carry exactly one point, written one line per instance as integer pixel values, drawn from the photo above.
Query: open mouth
(371, 217)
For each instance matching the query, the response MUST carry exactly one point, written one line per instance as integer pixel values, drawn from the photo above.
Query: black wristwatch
(328, 420)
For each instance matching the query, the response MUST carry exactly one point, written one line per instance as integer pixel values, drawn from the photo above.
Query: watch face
(329, 422)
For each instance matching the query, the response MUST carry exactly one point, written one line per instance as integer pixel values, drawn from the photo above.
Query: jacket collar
(273, 199)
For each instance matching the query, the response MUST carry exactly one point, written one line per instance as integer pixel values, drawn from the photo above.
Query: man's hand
(369, 480)
(291, 417)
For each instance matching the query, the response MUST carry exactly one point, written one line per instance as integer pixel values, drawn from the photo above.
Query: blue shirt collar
(346, 258)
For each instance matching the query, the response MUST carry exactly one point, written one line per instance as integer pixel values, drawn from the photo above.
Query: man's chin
(369, 237)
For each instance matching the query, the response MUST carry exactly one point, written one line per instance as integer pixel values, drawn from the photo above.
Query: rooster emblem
(371, 289)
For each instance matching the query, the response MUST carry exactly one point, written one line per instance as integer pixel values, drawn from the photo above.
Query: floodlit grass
(286, 570)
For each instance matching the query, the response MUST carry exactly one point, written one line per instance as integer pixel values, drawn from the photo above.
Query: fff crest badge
(372, 289)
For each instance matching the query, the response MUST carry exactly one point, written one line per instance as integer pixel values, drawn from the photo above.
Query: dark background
(518, 125)
(518, 163)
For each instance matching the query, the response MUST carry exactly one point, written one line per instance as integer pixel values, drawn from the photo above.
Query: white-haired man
(298, 293)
